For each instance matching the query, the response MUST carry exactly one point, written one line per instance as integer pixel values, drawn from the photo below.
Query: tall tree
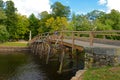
(22, 30)
(80, 22)
(3, 33)
(11, 21)
(60, 23)
(2, 16)
(44, 16)
(2, 4)
(95, 14)
(2, 12)
(115, 17)
(33, 24)
(59, 10)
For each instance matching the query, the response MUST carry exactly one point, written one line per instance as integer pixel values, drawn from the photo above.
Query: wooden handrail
(90, 34)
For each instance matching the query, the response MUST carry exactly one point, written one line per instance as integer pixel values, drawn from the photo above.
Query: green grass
(18, 44)
(105, 73)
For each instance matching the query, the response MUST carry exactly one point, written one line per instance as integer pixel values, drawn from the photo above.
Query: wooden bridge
(93, 42)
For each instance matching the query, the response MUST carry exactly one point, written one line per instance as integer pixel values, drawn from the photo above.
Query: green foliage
(81, 23)
(22, 27)
(100, 26)
(2, 12)
(59, 23)
(4, 35)
(95, 14)
(44, 16)
(1, 4)
(11, 20)
(19, 26)
(2, 16)
(96, 20)
(59, 10)
(33, 24)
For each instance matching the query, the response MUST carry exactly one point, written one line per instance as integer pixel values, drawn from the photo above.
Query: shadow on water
(24, 66)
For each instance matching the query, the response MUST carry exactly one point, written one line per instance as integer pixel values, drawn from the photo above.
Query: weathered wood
(61, 61)
(73, 43)
(46, 43)
(48, 54)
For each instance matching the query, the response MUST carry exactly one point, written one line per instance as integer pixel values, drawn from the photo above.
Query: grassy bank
(105, 73)
(18, 44)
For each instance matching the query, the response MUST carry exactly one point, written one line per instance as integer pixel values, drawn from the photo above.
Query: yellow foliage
(60, 23)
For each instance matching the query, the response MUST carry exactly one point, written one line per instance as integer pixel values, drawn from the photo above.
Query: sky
(26, 7)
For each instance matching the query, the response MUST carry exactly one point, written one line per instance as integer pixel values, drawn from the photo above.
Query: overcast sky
(26, 7)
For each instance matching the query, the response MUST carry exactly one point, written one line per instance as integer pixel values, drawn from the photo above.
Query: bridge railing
(93, 36)
(88, 36)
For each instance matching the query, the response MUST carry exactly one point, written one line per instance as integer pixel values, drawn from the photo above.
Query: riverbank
(14, 46)
(103, 73)
(78, 75)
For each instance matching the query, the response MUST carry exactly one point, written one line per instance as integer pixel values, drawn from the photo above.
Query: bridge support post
(61, 62)
(48, 54)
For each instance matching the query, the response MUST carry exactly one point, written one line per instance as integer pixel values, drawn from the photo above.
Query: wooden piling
(61, 62)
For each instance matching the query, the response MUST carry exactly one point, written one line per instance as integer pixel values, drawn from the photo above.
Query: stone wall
(99, 57)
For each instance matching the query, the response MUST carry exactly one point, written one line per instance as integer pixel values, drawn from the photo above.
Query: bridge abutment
(100, 56)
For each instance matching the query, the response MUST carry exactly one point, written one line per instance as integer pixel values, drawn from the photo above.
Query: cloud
(26, 7)
(113, 4)
(110, 4)
(102, 2)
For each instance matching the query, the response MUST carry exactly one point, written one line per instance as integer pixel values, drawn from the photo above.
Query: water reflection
(19, 67)
(22, 66)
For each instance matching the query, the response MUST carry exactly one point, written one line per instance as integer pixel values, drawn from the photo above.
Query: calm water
(24, 66)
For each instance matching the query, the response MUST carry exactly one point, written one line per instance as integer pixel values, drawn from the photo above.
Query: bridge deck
(87, 44)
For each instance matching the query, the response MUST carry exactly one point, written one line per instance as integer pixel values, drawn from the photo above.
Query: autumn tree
(58, 23)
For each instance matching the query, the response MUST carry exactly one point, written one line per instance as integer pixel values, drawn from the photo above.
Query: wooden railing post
(73, 40)
(91, 38)
(62, 38)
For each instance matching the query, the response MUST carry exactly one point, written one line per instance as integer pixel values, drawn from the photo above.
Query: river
(25, 66)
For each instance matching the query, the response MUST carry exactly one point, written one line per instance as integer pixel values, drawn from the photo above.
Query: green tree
(2, 12)
(33, 24)
(110, 21)
(3, 33)
(11, 20)
(59, 10)
(114, 16)
(2, 16)
(100, 26)
(2, 4)
(44, 16)
(81, 23)
(95, 14)
(22, 30)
